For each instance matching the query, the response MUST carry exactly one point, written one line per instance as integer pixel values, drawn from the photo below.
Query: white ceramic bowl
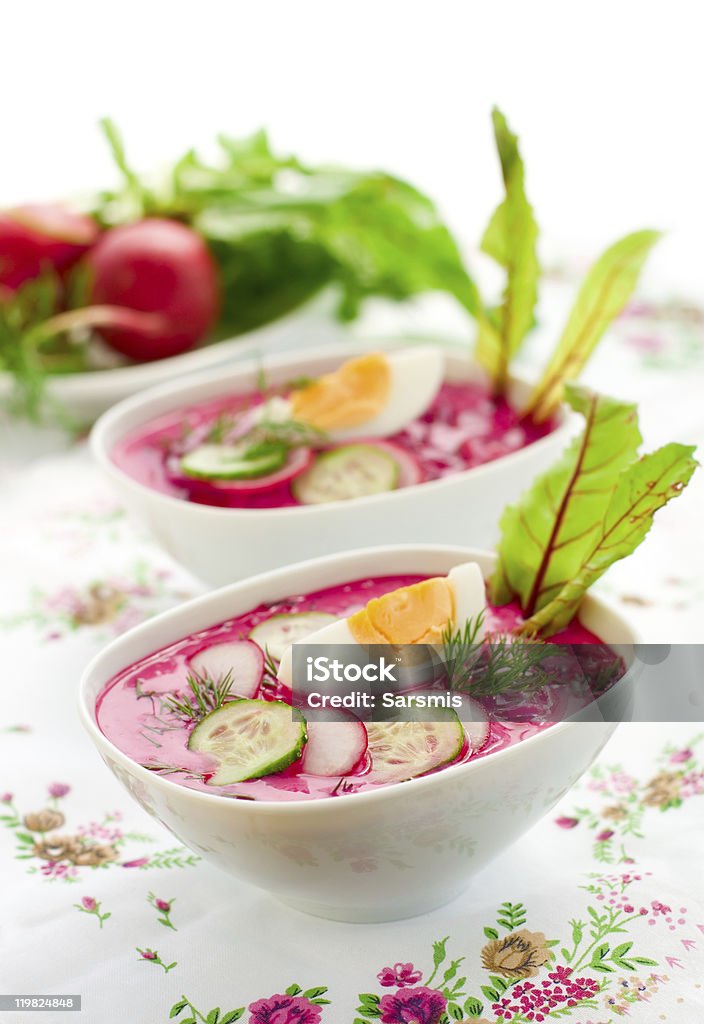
(221, 545)
(377, 855)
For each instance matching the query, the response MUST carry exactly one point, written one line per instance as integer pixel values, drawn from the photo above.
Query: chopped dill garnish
(271, 669)
(206, 695)
(494, 666)
(292, 433)
(223, 425)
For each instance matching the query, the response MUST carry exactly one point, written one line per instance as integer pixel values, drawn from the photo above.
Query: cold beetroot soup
(151, 713)
(246, 451)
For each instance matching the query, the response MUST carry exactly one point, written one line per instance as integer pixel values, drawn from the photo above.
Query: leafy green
(591, 509)
(605, 291)
(640, 490)
(24, 353)
(511, 240)
(281, 230)
(545, 537)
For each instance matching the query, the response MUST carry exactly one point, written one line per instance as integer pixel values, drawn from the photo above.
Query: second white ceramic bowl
(376, 855)
(221, 545)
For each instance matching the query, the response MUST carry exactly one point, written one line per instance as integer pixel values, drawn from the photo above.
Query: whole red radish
(40, 236)
(157, 267)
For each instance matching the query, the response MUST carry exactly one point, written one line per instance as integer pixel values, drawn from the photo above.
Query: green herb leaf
(603, 295)
(511, 240)
(639, 491)
(545, 537)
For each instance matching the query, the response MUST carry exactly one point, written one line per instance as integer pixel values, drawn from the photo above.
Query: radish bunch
(153, 284)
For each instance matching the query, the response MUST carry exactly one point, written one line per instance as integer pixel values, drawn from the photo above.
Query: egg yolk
(418, 614)
(352, 395)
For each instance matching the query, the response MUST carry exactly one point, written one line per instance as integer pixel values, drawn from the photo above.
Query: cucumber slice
(410, 471)
(401, 750)
(224, 492)
(233, 462)
(280, 631)
(352, 471)
(249, 739)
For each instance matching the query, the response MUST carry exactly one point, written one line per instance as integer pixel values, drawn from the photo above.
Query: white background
(606, 96)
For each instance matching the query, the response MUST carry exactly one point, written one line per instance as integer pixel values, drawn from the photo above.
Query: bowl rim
(101, 440)
(86, 704)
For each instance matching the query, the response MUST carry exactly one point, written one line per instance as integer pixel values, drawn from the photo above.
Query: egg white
(416, 376)
(469, 595)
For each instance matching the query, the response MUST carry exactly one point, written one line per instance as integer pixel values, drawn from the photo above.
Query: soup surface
(463, 427)
(149, 712)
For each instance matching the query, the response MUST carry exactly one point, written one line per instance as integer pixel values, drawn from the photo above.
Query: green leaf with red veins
(605, 291)
(547, 534)
(511, 240)
(640, 490)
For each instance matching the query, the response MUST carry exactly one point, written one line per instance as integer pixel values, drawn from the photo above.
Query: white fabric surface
(75, 572)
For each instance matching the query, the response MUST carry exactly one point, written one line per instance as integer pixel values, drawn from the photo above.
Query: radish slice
(333, 748)
(278, 633)
(242, 659)
(218, 491)
(474, 720)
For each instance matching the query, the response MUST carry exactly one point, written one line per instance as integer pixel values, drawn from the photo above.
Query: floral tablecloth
(596, 914)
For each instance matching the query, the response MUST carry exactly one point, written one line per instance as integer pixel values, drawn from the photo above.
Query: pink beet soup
(134, 708)
(465, 426)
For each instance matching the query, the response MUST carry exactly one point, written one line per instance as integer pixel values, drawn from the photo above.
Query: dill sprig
(270, 679)
(271, 667)
(292, 433)
(495, 666)
(221, 427)
(460, 650)
(206, 695)
(27, 353)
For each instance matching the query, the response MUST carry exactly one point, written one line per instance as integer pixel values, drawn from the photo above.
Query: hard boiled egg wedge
(417, 614)
(372, 395)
